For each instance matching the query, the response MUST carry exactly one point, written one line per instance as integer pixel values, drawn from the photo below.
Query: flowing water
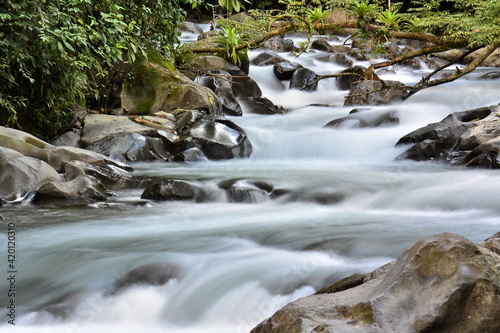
(346, 206)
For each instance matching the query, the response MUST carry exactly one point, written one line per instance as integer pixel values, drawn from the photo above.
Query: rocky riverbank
(443, 283)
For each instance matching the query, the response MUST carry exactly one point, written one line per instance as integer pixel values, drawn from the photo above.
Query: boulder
(29, 165)
(278, 44)
(244, 86)
(366, 119)
(375, 92)
(395, 51)
(82, 187)
(304, 79)
(152, 88)
(220, 83)
(284, 70)
(443, 283)
(70, 138)
(260, 105)
(21, 176)
(338, 58)
(248, 191)
(219, 139)
(346, 82)
(321, 44)
(170, 190)
(465, 138)
(267, 58)
(343, 49)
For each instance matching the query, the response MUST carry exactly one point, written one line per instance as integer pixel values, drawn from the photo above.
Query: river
(346, 206)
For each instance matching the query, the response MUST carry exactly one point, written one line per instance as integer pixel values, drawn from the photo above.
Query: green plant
(231, 5)
(364, 13)
(230, 41)
(55, 55)
(413, 24)
(391, 19)
(317, 15)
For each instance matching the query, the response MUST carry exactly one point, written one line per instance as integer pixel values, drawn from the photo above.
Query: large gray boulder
(376, 92)
(443, 283)
(468, 138)
(29, 165)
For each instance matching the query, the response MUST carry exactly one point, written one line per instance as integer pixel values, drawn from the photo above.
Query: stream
(347, 206)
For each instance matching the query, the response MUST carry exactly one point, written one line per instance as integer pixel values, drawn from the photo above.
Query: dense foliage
(54, 53)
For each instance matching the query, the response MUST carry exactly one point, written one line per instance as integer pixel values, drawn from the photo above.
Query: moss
(361, 312)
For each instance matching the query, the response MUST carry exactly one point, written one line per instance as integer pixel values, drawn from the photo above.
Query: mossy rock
(151, 87)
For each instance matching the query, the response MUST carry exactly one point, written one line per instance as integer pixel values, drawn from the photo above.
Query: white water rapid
(347, 207)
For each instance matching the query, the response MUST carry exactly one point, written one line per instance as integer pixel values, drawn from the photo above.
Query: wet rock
(82, 187)
(70, 138)
(304, 79)
(267, 58)
(190, 155)
(375, 92)
(154, 274)
(366, 119)
(219, 138)
(284, 70)
(21, 176)
(443, 283)
(170, 190)
(321, 44)
(111, 177)
(278, 44)
(339, 59)
(27, 164)
(465, 138)
(190, 27)
(62, 307)
(395, 51)
(346, 82)
(342, 49)
(260, 105)
(244, 86)
(246, 190)
(220, 83)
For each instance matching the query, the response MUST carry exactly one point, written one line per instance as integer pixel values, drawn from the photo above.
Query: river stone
(342, 49)
(346, 82)
(490, 76)
(70, 138)
(303, 79)
(278, 44)
(110, 176)
(443, 283)
(466, 138)
(284, 70)
(338, 58)
(375, 92)
(153, 88)
(82, 187)
(170, 190)
(219, 139)
(220, 83)
(366, 119)
(260, 105)
(267, 58)
(21, 176)
(244, 86)
(321, 44)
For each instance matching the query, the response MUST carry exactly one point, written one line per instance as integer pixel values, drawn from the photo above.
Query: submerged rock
(366, 119)
(443, 283)
(154, 274)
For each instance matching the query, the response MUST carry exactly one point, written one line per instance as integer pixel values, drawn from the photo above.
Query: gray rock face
(468, 138)
(443, 283)
(260, 105)
(267, 58)
(375, 92)
(346, 82)
(220, 83)
(154, 274)
(304, 79)
(278, 44)
(30, 166)
(284, 70)
(170, 190)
